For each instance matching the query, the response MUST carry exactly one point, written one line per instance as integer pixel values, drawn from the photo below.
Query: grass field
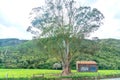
(23, 73)
(28, 73)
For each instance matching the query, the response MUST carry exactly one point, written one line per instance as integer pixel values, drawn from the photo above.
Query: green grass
(23, 73)
(94, 74)
(28, 73)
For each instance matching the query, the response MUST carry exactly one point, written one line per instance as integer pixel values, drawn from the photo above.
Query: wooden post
(7, 76)
(33, 75)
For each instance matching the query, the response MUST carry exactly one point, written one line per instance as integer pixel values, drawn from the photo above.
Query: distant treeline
(10, 42)
(16, 53)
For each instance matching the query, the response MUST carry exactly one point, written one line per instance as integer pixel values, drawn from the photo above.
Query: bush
(57, 66)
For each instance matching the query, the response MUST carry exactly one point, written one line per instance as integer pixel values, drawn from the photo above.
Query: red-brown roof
(86, 62)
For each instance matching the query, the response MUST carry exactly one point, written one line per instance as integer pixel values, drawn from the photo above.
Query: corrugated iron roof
(86, 62)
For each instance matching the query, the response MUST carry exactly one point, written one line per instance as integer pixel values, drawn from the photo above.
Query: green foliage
(105, 52)
(74, 22)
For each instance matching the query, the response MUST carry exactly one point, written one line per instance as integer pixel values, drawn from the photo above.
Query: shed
(86, 66)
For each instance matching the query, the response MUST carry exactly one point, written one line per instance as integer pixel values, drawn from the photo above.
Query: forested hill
(106, 52)
(10, 42)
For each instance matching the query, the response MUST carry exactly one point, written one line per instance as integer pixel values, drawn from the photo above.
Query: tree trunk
(66, 62)
(66, 69)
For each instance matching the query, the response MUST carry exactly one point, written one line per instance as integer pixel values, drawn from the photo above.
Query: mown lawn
(28, 73)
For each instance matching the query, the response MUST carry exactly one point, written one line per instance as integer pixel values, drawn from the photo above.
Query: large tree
(64, 21)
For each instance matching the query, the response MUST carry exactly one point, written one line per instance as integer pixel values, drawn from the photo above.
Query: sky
(14, 17)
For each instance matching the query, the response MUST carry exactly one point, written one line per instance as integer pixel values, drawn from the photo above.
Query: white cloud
(111, 26)
(16, 13)
(13, 32)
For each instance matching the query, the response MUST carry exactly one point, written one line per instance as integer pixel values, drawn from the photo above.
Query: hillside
(106, 52)
(107, 56)
(10, 42)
